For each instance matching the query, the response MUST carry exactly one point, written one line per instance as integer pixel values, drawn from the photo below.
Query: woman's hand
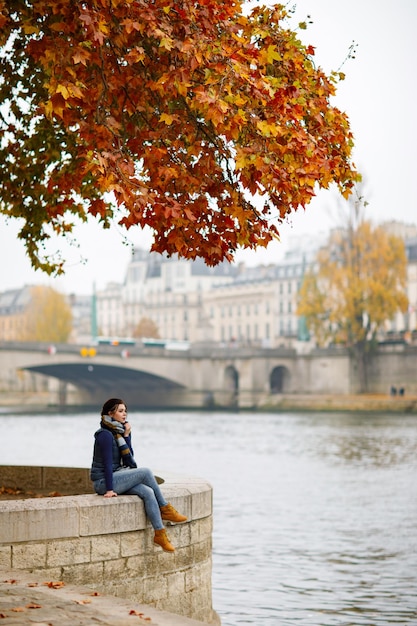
(110, 494)
(128, 428)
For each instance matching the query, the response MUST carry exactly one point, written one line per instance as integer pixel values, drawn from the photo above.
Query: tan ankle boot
(169, 514)
(161, 539)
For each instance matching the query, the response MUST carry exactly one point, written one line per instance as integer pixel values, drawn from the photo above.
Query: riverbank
(34, 403)
(379, 403)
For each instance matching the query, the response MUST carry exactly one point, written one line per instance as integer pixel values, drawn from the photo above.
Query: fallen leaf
(19, 609)
(55, 585)
(33, 605)
(3, 615)
(95, 593)
(32, 584)
(11, 581)
(82, 601)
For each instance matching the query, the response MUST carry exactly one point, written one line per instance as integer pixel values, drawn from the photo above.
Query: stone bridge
(157, 377)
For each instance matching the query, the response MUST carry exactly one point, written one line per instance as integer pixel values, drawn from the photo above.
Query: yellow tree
(191, 118)
(359, 283)
(49, 316)
(146, 328)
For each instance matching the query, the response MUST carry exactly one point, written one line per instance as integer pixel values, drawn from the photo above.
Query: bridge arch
(231, 385)
(96, 382)
(279, 379)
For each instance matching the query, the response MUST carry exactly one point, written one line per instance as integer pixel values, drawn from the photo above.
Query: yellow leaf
(63, 90)
(168, 119)
(272, 54)
(267, 129)
(167, 43)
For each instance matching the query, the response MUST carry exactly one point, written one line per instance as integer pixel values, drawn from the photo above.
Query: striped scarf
(117, 429)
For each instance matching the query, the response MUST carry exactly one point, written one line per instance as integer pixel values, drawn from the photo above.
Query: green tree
(202, 123)
(359, 283)
(49, 316)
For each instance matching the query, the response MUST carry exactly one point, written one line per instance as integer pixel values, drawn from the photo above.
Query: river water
(315, 515)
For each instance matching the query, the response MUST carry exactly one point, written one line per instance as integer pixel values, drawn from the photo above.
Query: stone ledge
(34, 519)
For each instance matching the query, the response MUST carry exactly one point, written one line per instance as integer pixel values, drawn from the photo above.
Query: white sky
(380, 97)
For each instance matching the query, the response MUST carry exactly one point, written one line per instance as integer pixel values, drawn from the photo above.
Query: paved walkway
(28, 600)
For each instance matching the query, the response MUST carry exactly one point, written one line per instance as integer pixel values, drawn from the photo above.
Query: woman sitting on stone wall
(114, 470)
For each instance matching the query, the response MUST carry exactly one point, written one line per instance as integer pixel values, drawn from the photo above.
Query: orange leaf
(82, 601)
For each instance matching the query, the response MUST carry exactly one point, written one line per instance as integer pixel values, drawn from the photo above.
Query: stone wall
(107, 544)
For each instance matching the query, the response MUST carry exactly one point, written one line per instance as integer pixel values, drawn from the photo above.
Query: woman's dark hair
(111, 405)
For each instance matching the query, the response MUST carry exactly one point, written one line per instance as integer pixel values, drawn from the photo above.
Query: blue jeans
(139, 482)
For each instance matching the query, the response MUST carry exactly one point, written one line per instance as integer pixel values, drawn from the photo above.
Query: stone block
(68, 552)
(115, 569)
(67, 479)
(5, 557)
(201, 551)
(105, 548)
(132, 544)
(184, 558)
(202, 502)
(176, 583)
(38, 518)
(21, 477)
(46, 574)
(29, 555)
(201, 529)
(182, 535)
(153, 562)
(197, 576)
(200, 600)
(84, 574)
(131, 589)
(100, 515)
(136, 566)
(155, 589)
(181, 605)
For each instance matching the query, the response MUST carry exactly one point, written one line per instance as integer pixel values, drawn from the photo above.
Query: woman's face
(120, 414)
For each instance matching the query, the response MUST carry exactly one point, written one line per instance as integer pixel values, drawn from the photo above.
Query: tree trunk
(361, 359)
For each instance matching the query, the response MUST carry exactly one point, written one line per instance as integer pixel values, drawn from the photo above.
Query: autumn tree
(48, 316)
(358, 284)
(203, 123)
(146, 328)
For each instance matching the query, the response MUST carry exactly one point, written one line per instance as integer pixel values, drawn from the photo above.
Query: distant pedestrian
(393, 391)
(114, 470)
